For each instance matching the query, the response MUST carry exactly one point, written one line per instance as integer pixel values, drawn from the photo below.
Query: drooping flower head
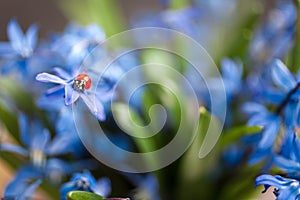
(86, 182)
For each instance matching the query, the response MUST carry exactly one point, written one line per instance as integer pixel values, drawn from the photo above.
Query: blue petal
(65, 143)
(95, 107)
(269, 134)
(30, 190)
(24, 127)
(86, 175)
(15, 189)
(6, 49)
(19, 186)
(65, 189)
(102, 187)
(49, 78)
(289, 115)
(56, 169)
(282, 76)
(31, 36)
(70, 95)
(286, 164)
(297, 115)
(40, 140)
(253, 108)
(9, 65)
(274, 97)
(276, 181)
(296, 146)
(57, 91)
(258, 120)
(28, 172)
(14, 149)
(62, 73)
(231, 70)
(15, 35)
(258, 155)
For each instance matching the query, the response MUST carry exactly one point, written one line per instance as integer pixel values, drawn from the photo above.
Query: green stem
(108, 15)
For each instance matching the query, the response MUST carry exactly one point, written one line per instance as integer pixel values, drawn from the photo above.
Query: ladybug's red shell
(82, 82)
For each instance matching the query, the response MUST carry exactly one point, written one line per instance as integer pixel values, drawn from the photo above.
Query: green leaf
(236, 133)
(10, 121)
(177, 4)
(22, 99)
(195, 172)
(81, 195)
(240, 183)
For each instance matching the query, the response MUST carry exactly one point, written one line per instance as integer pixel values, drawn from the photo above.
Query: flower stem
(287, 99)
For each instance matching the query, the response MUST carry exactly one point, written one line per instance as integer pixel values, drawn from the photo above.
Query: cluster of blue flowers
(46, 151)
(278, 142)
(57, 73)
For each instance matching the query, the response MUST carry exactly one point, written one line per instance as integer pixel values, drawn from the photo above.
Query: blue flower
(37, 143)
(183, 19)
(147, 186)
(284, 93)
(289, 157)
(233, 155)
(86, 182)
(67, 139)
(270, 123)
(76, 43)
(275, 35)
(232, 72)
(34, 138)
(21, 189)
(231, 78)
(286, 188)
(40, 150)
(19, 48)
(73, 89)
(287, 92)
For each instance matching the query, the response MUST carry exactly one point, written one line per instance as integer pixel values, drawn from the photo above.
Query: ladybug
(82, 82)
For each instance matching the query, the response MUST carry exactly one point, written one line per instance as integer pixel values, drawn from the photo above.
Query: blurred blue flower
(74, 88)
(289, 157)
(76, 43)
(270, 122)
(233, 155)
(19, 48)
(232, 72)
(86, 182)
(40, 150)
(217, 8)
(147, 187)
(34, 138)
(67, 139)
(285, 188)
(53, 172)
(185, 20)
(283, 92)
(38, 144)
(274, 37)
(20, 189)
